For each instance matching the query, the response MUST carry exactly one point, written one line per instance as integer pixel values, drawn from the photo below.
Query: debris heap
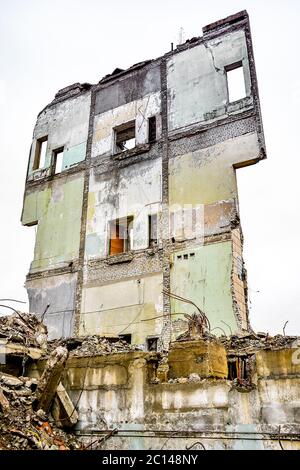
(250, 342)
(23, 328)
(23, 428)
(93, 345)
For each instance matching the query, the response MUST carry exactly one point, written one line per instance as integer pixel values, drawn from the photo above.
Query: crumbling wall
(120, 391)
(56, 210)
(197, 81)
(201, 138)
(131, 306)
(66, 125)
(203, 275)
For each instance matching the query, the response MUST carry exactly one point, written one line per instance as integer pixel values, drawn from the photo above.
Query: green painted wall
(205, 278)
(57, 209)
(74, 155)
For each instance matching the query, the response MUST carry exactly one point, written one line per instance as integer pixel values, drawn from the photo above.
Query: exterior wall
(208, 175)
(201, 140)
(239, 279)
(126, 307)
(118, 392)
(66, 125)
(197, 81)
(138, 110)
(54, 295)
(131, 191)
(204, 278)
(57, 210)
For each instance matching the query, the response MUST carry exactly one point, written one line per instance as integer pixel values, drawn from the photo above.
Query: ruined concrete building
(138, 270)
(131, 185)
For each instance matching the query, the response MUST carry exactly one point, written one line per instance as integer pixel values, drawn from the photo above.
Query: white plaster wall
(119, 307)
(66, 125)
(197, 81)
(140, 110)
(134, 191)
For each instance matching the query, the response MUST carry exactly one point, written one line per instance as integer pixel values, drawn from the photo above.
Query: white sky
(46, 45)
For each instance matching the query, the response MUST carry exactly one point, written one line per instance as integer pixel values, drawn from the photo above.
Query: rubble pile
(22, 428)
(23, 328)
(96, 345)
(249, 343)
(92, 345)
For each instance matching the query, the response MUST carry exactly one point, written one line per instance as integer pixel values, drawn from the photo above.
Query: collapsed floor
(59, 394)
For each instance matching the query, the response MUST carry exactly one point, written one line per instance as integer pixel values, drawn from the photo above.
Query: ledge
(132, 152)
(121, 258)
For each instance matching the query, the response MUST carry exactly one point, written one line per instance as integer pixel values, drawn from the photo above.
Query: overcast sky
(49, 44)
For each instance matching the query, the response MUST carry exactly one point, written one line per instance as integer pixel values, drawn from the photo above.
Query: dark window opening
(126, 338)
(152, 344)
(238, 368)
(185, 256)
(125, 136)
(152, 129)
(120, 235)
(153, 229)
(58, 155)
(235, 82)
(40, 153)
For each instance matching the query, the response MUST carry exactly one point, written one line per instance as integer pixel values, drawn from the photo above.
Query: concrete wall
(201, 139)
(131, 191)
(205, 278)
(66, 125)
(56, 208)
(125, 307)
(138, 110)
(54, 295)
(197, 81)
(117, 391)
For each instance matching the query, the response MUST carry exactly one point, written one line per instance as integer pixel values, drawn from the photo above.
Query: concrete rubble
(43, 403)
(22, 428)
(34, 412)
(25, 329)
(93, 345)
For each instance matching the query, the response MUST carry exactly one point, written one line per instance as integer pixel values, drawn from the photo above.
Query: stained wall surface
(187, 167)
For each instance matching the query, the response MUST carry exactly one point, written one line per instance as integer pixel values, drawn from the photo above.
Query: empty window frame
(58, 155)
(152, 343)
(126, 338)
(153, 229)
(125, 137)
(235, 82)
(120, 235)
(152, 129)
(40, 153)
(238, 368)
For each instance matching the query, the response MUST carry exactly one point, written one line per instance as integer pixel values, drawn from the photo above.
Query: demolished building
(131, 186)
(138, 263)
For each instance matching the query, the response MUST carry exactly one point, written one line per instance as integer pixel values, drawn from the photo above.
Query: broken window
(40, 153)
(152, 343)
(238, 368)
(153, 230)
(235, 82)
(125, 136)
(120, 235)
(58, 160)
(152, 129)
(126, 338)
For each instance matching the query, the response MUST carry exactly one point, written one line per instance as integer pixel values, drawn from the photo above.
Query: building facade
(131, 185)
